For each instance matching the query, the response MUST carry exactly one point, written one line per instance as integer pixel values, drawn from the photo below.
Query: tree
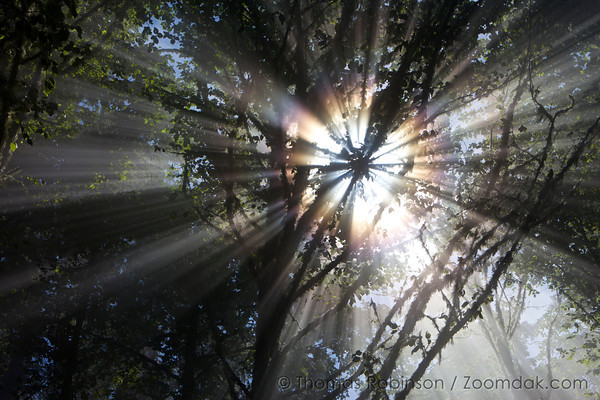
(399, 89)
(36, 39)
(324, 160)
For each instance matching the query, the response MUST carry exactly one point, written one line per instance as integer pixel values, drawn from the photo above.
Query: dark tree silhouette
(321, 154)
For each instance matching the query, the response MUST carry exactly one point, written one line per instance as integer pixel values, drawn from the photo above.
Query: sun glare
(370, 190)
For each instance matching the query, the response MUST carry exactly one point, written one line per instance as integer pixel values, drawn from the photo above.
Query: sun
(370, 181)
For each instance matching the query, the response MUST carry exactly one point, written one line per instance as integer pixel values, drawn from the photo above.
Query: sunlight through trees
(300, 199)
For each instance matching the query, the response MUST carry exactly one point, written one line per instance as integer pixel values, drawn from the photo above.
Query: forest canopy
(299, 199)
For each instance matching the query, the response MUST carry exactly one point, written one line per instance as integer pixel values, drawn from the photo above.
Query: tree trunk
(188, 376)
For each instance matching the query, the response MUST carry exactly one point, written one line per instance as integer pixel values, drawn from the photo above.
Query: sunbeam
(305, 199)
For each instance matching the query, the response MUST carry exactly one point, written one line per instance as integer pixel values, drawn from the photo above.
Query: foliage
(326, 153)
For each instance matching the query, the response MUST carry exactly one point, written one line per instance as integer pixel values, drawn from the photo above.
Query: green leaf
(13, 146)
(49, 85)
